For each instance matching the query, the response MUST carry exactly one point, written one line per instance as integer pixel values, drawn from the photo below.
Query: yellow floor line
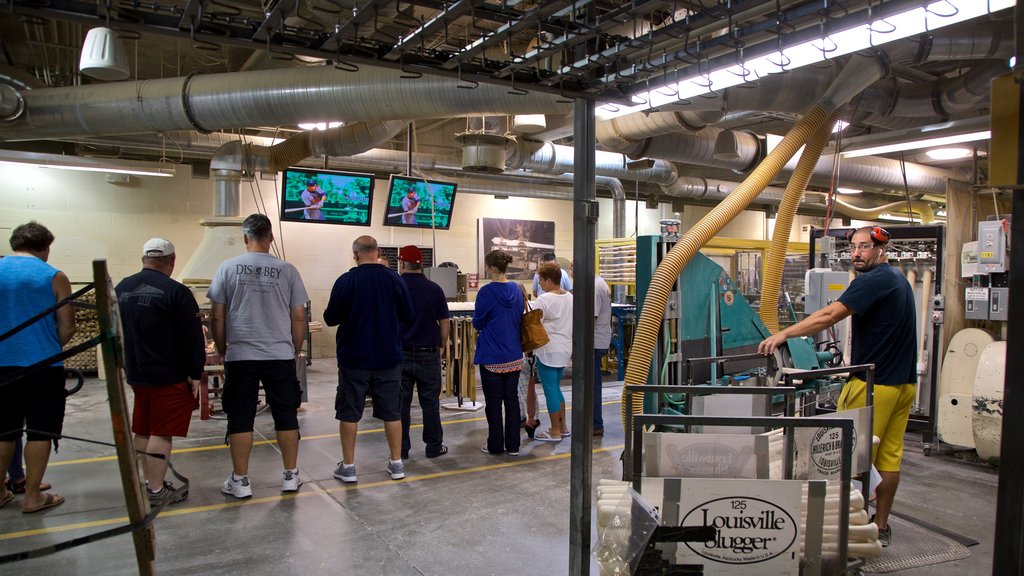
(281, 497)
(113, 458)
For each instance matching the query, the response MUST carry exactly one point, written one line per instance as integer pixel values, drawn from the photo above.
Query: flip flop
(51, 501)
(545, 437)
(566, 434)
(8, 496)
(18, 487)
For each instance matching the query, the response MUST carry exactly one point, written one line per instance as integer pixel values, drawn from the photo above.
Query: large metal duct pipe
(880, 173)
(704, 148)
(948, 95)
(258, 98)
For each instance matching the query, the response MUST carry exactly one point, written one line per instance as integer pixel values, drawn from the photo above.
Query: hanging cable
(906, 189)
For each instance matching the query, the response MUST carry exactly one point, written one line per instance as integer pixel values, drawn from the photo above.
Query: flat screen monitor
(326, 197)
(419, 203)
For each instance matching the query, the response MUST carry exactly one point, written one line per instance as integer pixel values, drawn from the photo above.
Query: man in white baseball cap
(157, 247)
(164, 355)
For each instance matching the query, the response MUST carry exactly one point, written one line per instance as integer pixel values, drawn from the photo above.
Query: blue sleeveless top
(26, 289)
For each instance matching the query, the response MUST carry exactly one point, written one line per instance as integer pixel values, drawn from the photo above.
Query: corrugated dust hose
(771, 282)
(672, 265)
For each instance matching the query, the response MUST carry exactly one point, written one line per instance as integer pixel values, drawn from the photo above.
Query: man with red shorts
(164, 354)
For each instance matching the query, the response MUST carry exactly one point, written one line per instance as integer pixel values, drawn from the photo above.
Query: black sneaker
(167, 492)
(884, 536)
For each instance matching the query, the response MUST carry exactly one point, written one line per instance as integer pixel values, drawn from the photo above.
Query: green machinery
(707, 317)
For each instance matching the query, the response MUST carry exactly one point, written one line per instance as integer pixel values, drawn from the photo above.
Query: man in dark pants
(421, 362)
(602, 340)
(368, 304)
(164, 354)
(884, 334)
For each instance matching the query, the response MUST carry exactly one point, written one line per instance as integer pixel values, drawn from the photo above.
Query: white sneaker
(291, 482)
(239, 488)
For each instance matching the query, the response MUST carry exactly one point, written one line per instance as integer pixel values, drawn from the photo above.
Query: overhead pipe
(771, 281)
(211, 102)
(922, 210)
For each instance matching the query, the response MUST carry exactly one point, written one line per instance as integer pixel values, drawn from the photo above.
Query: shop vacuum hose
(672, 265)
(771, 281)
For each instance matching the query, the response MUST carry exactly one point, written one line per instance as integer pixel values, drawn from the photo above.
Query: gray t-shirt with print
(259, 291)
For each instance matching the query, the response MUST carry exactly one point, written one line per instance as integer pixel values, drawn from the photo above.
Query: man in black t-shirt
(422, 338)
(884, 333)
(164, 354)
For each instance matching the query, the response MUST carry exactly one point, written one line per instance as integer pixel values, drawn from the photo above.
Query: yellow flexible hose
(672, 265)
(771, 282)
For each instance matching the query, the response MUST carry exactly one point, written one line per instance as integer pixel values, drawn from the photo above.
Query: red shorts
(163, 410)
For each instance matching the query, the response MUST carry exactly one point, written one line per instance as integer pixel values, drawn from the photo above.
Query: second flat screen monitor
(418, 203)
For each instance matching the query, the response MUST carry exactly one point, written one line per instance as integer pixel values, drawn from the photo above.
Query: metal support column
(584, 236)
(1008, 557)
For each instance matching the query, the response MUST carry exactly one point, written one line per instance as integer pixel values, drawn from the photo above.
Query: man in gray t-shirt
(259, 324)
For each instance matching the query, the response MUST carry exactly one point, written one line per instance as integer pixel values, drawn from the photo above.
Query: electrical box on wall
(997, 304)
(824, 286)
(991, 247)
(977, 303)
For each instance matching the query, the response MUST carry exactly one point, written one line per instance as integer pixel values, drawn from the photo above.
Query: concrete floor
(463, 513)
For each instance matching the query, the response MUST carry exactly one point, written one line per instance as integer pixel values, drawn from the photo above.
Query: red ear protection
(879, 235)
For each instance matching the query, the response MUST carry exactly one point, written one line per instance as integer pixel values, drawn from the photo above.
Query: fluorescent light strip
(917, 144)
(84, 164)
(905, 24)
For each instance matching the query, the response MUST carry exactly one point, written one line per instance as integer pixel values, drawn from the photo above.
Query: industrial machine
(708, 317)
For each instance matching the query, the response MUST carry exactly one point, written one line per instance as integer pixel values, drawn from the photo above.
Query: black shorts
(384, 387)
(35, 402)
(241, 392)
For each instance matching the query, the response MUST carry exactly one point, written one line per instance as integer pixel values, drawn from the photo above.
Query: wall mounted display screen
(409, 203)
(326, 197)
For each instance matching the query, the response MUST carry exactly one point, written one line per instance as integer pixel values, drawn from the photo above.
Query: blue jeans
(422, 370)
(501, 389)
(598, 420)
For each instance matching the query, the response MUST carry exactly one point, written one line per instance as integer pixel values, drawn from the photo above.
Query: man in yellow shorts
(884, 334)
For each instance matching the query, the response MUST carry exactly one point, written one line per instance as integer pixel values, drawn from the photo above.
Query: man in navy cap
(421, 341)
(313, 198)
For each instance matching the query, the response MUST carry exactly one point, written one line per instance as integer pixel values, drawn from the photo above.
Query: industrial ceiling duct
(529, 123)
(483, 152)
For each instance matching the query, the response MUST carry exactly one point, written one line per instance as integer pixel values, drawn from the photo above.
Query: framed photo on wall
(525, 240)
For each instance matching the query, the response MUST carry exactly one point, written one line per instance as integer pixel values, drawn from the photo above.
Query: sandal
(51, 501)
(8, 496)
(546, 437)
(531, 430)
(18, 486)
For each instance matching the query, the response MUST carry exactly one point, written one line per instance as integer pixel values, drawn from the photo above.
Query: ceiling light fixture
(320, 125)
(948, 153)
(84, 164)
(880, 31)
(918, 144)
(849, 190)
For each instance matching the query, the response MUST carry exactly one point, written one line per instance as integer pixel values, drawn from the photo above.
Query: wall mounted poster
(525, 240)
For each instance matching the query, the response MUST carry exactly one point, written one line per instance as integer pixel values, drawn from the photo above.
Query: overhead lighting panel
(923, 19)
(918, 144)
(85, 164)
